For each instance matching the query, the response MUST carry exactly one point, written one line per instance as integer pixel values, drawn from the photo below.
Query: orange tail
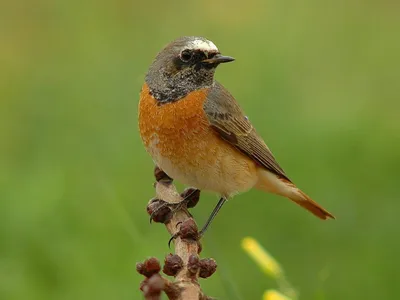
(271, 183)
(304, 201)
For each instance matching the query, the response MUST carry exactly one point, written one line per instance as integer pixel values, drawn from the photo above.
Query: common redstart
(196, 132)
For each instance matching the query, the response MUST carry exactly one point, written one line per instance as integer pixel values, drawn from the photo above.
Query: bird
(196, 132)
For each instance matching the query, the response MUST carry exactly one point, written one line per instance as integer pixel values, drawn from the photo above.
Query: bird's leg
(212, 216)
(209, 220)
(189, 195)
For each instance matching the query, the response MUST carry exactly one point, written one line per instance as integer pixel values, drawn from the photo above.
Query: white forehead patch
(203, 45)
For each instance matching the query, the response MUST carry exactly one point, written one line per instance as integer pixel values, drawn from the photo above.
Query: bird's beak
(218, 59)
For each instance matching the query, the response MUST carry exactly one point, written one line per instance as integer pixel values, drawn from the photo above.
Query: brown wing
(229, 121)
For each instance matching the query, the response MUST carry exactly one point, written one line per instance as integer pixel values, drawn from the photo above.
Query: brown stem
(185, 264)
(184, 247)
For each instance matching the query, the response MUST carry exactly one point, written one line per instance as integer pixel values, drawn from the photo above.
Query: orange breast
(178, 137)
(177, 129)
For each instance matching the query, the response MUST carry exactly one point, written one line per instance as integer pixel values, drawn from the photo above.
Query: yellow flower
(274, 295)
(267, 263)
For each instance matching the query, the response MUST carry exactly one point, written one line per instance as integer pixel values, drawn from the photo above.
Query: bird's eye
(186, 55)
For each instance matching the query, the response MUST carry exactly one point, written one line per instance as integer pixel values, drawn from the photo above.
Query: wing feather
(229, 121)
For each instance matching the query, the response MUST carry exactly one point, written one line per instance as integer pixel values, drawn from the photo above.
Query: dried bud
(188, 230)
(150, 267)
(161, 176)
(152, 205)
(172, 264)
(193, 264)
(140, 268)
(152, 287)
(208, 266)
(159, 212)
(192, 195)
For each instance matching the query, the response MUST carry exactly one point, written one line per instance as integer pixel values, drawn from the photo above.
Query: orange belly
(178, 137)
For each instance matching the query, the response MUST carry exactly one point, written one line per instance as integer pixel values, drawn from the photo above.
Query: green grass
(319, 80)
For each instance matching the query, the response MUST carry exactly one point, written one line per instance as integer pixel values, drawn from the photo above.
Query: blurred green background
(320, 81)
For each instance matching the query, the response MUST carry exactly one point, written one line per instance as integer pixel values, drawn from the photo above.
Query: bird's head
(184, 65)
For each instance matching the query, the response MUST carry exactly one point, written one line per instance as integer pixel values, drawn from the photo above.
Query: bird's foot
(162, 211)
(187, 231)
(192, 231)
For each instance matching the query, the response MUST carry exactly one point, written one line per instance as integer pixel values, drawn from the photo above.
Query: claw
(171, 239)
(158, 211)
(162, 212)
(179, 223)
(188, 231)
(174, 236)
